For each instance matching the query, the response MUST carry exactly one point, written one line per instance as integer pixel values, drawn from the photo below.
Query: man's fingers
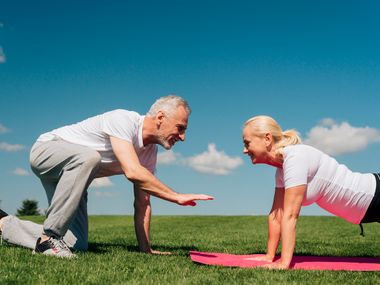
(203, 197)
(189, 199)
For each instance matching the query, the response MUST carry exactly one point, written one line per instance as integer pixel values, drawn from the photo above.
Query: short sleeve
(279, 178)
(122, 124)
(149, 160)
(295, 168)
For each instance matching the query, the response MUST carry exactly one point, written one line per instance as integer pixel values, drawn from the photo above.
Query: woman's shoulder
(302, 150)
(300, 147)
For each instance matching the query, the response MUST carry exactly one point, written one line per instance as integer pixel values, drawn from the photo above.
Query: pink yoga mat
(298, 262)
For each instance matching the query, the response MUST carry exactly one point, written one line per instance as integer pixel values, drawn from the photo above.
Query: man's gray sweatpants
(65, 170)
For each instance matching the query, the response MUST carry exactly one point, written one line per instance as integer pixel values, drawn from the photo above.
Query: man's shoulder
(122, 114)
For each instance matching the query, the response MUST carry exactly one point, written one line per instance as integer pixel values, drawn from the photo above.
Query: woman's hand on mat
(189, 199)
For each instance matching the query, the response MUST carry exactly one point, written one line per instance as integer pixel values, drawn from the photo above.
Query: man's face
(172, 128)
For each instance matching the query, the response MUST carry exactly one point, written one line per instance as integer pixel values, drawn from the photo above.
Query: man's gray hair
(168, 105)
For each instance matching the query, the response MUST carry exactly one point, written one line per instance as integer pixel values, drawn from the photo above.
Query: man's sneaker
(2, 215)
(53, 246)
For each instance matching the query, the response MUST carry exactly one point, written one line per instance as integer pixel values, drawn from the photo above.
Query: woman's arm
(292, 205)
(274, 223)
(274, 226)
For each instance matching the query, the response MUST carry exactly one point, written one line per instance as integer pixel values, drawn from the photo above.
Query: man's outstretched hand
(189, 199)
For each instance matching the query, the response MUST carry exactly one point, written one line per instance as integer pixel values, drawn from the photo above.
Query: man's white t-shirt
(95, 133)
(331, 185)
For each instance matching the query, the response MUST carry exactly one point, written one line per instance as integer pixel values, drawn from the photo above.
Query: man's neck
(148, 131)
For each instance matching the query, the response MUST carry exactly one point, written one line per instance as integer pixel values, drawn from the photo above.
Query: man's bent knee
(91, 158)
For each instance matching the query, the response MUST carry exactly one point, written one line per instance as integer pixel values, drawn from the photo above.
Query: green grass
(113, 257)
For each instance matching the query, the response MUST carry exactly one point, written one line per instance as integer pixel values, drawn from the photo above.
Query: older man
(67, 160)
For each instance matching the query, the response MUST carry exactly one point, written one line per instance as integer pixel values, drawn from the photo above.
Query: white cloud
(339, 138)
(11, 147)
(20, 172)
(168, 157)
(327, 122)
(101, 182)
(2, 55)
(213, 161)
(42, 211)
(3, 129)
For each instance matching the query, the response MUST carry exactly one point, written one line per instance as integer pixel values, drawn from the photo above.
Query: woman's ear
(268, 138)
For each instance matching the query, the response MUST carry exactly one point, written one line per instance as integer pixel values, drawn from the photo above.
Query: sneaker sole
(55, 255)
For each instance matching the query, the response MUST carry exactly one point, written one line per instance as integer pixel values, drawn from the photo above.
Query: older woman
(306, 175)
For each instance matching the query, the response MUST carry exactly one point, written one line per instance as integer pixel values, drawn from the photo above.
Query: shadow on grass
(102, 248)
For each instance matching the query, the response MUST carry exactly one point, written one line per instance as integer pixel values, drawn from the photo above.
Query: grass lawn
(113, 257)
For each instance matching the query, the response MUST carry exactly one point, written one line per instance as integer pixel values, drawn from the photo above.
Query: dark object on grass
(2, 214)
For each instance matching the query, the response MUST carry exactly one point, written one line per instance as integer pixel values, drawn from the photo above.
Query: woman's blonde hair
(261, 125)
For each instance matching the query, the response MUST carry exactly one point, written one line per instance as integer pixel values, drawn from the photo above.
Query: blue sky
(312, 65)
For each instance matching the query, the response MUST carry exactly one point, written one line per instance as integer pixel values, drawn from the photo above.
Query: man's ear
(159, 117)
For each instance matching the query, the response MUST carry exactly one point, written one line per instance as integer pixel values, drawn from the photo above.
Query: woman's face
(255, 146)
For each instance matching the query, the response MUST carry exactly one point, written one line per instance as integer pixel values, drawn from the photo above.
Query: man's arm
(144, 179)
(142, 221)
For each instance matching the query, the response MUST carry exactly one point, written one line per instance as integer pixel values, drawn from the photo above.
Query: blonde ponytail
(289, 137)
